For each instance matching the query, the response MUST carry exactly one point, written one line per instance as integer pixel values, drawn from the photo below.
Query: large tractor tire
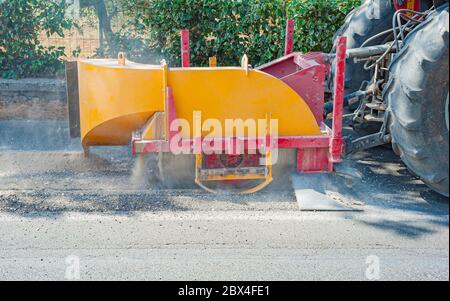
(418, 101)
(370, 19)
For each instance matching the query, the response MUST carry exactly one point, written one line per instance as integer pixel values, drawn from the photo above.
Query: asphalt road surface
(67, 217)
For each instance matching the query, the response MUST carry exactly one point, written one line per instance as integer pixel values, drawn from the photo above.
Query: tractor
(398, 88)
(241, 128)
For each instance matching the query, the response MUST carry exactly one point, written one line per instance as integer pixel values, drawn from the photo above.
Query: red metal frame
(339, 81)
(305, 74)
(185, 49)
(315, 154)
(289, 43)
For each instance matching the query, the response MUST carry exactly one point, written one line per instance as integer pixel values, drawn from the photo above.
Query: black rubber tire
(417, 100)
(371, 18)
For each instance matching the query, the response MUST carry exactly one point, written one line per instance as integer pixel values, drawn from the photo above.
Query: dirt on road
(42, 167)
(55, 202)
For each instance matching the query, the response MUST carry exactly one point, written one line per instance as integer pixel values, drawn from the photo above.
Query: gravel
(55, 202)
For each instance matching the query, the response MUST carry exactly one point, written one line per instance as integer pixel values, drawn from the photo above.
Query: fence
(83, 44)
(84, 41)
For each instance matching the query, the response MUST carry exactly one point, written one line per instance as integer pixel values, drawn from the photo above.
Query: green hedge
(21, 22)
(229, 29)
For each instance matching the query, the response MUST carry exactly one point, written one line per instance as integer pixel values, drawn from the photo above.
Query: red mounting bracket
(185, 49)
(289, 43)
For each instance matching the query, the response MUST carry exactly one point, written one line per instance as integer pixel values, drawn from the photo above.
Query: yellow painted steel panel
(115, 99)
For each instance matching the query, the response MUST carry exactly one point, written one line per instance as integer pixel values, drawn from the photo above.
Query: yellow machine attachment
(229, 120)
(116, 99)
(246, 114)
